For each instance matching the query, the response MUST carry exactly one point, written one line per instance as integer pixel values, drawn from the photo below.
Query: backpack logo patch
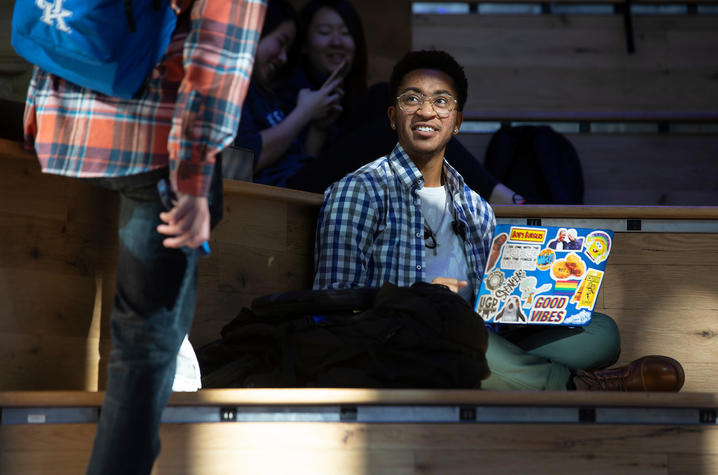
(53, 12)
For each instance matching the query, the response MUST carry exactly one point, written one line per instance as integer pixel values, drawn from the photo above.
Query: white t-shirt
(447, 259)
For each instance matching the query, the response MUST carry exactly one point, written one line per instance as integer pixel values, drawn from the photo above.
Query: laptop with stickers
(543, 275)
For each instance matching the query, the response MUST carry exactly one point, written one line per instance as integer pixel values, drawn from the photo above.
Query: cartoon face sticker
(598, 244)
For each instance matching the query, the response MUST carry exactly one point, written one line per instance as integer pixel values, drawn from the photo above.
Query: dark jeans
(153, 310)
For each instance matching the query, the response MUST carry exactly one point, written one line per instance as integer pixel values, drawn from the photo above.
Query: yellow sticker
(587, 292)
(527, 235)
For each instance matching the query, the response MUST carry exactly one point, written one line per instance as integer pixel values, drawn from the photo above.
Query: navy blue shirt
(259, 112)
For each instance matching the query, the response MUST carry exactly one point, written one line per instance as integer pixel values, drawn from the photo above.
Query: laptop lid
(543, 275)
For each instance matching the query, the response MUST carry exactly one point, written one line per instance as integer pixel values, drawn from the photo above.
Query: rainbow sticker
(565, 287)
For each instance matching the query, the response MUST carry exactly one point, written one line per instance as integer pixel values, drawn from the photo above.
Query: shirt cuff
(193, 178)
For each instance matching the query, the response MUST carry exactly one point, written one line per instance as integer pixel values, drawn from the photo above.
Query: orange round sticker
(545, 259)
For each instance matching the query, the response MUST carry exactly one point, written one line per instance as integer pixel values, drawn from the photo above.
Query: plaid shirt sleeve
(483, 222)
(218, 59)
(347, 222)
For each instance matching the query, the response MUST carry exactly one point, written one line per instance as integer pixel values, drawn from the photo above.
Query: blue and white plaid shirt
(371, 229)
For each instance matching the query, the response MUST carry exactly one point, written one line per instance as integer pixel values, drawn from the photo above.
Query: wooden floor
(484, 442)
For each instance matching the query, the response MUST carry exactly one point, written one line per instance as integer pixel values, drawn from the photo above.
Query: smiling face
(329, 42)
(424, 134)
(272, 52)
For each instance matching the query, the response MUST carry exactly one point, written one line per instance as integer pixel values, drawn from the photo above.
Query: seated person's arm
(345, 234)
(453, 284)
(310, 105)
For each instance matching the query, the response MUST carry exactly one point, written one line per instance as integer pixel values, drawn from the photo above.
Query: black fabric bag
(423, 336)
(538, 163)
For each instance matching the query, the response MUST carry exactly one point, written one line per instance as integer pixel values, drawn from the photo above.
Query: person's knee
(608, 339)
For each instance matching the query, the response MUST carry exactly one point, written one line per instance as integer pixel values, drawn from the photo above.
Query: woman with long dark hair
(281, 141)
(357, 130)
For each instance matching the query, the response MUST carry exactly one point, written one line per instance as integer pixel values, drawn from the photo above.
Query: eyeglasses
(411, 101)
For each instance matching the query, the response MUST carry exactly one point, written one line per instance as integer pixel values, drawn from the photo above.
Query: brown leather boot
(650, 373)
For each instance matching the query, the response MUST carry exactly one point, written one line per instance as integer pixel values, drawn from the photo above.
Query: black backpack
(423, 336)
(537, 162)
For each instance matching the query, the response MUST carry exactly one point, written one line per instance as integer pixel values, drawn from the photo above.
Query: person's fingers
(186, 224)
(453, 284)
(185, 233)
(331, 85)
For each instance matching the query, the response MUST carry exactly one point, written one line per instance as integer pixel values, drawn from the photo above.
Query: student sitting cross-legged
(410, 217)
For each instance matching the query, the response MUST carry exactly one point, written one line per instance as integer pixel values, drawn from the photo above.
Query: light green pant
(541, 358)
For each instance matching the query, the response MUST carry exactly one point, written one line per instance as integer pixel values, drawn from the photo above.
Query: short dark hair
(430, 59)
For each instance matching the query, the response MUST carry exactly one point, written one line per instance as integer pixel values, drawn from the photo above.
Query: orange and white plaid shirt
(187, 111)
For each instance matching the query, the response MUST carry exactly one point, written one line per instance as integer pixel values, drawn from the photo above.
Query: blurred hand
(453, 284)
(187, 223)
(318, 104)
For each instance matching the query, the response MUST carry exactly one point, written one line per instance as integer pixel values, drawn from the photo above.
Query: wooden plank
(57, 303)
(353, 396)
(687, 464)
(644, 288)
(42, 362)
(295, 461)
(678, 169)
(641, 249)
(606, 212)
(26, 190)
(510, 462)
(61, 247)
(639, 169)
(381, 448)
(578, 63)
(570, 439)
(257, 190)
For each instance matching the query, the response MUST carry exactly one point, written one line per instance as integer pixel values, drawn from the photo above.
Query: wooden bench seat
(358, 431)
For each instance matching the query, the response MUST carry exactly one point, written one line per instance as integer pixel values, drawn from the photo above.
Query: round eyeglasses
(412, 101)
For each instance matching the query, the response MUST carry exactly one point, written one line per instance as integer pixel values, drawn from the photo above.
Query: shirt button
(418, 267)
(418, 235)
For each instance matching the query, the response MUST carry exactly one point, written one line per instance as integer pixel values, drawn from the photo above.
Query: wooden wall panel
(262, 246)
(618, 169)
(57, 260)
(547, 65)
(35, 360)
(330, 448)
(504, 462)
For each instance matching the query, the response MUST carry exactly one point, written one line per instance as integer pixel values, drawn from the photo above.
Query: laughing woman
(356, 130)
(281, 141)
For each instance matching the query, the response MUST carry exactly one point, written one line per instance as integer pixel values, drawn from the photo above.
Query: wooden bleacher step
(360, 431)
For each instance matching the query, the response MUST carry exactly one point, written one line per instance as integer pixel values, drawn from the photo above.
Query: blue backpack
(108, 46)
